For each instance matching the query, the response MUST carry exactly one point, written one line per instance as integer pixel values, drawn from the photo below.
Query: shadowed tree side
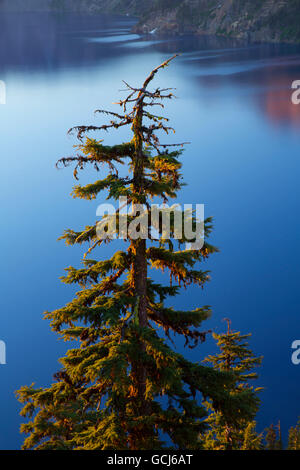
(273, 439)
(124, 387)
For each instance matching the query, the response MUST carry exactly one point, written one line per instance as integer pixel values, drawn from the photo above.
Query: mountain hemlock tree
(273, 438)
(124, 387)
(236, 430)
(252, 440)
(294, 437)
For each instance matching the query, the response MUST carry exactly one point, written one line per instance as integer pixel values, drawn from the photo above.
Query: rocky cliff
(255, 20)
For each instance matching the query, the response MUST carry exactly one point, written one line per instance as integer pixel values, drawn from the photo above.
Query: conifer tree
(280, 443)
(294, 437)
(236, 430)
(252, 440)
(124, 387)
(273, 438)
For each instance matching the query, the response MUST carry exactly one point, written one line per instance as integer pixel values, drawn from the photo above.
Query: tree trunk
(142, 437)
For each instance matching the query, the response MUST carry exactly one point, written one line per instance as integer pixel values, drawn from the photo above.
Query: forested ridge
(254, 20)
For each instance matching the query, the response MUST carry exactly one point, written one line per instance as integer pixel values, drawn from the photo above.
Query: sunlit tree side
(294, 437)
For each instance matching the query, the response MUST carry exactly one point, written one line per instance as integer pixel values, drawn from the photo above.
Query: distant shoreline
(275, 22)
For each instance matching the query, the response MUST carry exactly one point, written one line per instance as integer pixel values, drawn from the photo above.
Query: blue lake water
(234, 106)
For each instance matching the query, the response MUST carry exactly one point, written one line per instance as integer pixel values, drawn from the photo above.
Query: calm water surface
(243, 163)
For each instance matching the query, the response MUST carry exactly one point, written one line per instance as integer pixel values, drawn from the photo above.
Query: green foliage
(294, 437)
(124, 387)
(233, 428)
(251, 440)
(273, 438)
